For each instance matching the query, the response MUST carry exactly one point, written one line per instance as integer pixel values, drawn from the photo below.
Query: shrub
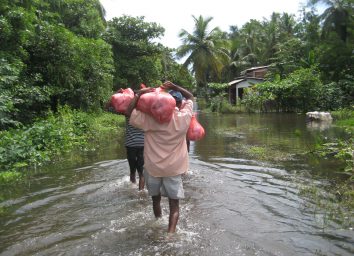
(31, 146)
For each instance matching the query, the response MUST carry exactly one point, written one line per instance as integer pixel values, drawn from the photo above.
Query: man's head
(177, 96)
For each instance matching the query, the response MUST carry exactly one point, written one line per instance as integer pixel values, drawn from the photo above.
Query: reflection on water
(234, 205)
(319, 125)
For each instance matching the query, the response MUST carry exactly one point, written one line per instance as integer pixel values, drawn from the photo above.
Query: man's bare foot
(132, 179)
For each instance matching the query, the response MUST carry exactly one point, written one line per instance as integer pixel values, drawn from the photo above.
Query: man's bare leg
(132, 177)
(174, 215)
(156, 206)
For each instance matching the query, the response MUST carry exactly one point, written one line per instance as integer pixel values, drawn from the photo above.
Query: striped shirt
(134, 137)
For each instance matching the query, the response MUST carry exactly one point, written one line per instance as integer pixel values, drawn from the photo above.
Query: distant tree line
(310, 58)
(64, 52)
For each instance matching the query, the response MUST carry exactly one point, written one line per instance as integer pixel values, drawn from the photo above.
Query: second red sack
(195, 130)
(121, 100)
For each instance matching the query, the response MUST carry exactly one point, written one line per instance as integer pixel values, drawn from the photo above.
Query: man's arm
(169, 85)
(132, 105)
(134, 101)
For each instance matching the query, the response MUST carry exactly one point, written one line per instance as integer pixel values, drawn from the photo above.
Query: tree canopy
(50, 55)
(64, 52)
(205, 50)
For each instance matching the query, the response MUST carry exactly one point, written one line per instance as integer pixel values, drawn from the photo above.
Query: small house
(248, 78)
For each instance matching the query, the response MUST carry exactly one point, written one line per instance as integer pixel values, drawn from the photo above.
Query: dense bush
(32, 146)
(135, 55)
(51, 53)
(299, 92)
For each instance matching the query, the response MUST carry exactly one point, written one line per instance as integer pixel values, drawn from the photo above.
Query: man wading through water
(134, 144)
(165, 151)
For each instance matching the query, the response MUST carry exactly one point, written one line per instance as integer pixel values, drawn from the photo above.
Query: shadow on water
(235, 204)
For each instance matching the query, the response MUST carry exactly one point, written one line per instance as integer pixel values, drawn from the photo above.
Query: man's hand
(169, 85)
(134, 101)
(144, 90)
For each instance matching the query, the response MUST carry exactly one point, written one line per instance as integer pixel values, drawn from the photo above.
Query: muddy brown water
(242, 198)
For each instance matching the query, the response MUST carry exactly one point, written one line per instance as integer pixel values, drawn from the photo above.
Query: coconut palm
(205, 50)
(336, 17)
(276, 31)
(250, 49)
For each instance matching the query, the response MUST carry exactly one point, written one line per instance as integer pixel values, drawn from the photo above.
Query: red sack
(163, 107)
(121, 100)
(145, 101)
(195, 130)
(159, 104)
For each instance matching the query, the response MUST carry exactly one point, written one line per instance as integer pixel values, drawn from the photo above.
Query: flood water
(243, 197)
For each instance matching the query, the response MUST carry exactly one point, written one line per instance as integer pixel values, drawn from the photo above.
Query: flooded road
(236, 204)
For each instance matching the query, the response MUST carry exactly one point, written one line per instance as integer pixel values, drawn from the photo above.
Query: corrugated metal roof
(254, 68)
(243, 72)
(239, 80)
(236, 81)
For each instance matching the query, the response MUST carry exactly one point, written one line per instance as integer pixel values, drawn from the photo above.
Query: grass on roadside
(46, 139)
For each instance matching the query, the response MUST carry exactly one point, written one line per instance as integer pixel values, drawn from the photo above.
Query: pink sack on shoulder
(145, 101)
(159, 104)
(163, 107)
(195, 130)
(121, 100)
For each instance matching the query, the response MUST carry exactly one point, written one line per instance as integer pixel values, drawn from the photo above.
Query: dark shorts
(135, 156)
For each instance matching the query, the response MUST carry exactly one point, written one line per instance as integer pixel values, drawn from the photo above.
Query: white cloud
(177, 15)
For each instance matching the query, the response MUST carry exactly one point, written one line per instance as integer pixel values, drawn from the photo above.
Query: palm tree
(205, 50)
(336, 17)
(276, 31)
(287, 25)
(250, 49)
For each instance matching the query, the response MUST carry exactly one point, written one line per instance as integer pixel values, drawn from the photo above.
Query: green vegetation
(311, 68)
(310, 59)
(218, 99)
(10, 177)
(206, 51)
(292, 94)
(336, 205)
(344, 117)
(263, 153)
(56, 53)
(332, 200)
(64, 53)
(51, 54)
(45, 140)
(342, 149)
(341, 205)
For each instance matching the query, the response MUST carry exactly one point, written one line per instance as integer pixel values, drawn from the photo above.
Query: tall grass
(29, 147)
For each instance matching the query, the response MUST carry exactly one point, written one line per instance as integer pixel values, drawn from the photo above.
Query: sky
(177, 15)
